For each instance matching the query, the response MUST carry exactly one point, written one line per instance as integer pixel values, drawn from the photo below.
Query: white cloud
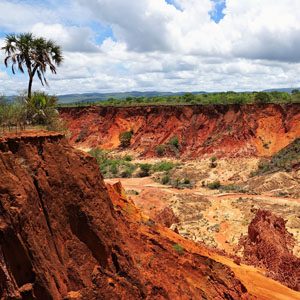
(156, 46)
(71, 38)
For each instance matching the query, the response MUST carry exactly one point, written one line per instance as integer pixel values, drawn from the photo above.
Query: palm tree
(36, 54)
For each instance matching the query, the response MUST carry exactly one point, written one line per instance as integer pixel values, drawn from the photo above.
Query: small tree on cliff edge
(34, 54)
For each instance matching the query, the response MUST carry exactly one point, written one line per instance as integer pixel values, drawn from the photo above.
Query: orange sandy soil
(198, 212)
(253, 278)
(257, 284)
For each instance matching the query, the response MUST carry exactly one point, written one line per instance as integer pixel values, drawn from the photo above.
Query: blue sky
(122, 45)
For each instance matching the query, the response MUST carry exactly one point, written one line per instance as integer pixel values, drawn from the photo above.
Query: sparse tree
(25, 51)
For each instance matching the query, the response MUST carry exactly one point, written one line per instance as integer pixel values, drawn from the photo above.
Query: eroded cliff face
(269, 245)
(65, 235)
(229, 130)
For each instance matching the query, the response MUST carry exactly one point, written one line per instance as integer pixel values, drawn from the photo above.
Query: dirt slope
(63, 237)
(229, 130)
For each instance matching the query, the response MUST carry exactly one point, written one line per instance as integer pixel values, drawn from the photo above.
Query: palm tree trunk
(30, 86)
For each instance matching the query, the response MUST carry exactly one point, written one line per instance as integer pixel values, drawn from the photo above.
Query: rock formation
(269, 245)
(166, 217)
(62, 236)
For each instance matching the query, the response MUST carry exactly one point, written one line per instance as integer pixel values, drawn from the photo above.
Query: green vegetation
(160, 150)
(213, 162)
(178, 183)
(178, 248)
(111, 166)
(145, 170)
(165, 179)
(223, 98)
(12, 115)
(122, 166)
(284, 160)
(164, 166)
(125, 138)
(214, 185)
(232, 188)
(174, 142)
(171, 147)
(33, 54)
(262, 98)
(39, 110)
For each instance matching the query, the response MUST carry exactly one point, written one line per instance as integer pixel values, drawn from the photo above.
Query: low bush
(165, 179)
(145, 170)
(160, 150)
(125, 138)
(178, 248)
(163, 166)
(213, 162)
(215, 185)
(39, 110)
(123, 166)
(174, 142)
(262, 97)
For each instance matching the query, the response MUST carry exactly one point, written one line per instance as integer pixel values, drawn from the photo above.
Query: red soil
(269, 245)
(166, 217)
(63, 237)
(230, 130)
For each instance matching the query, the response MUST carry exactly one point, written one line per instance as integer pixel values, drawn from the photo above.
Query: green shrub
(213, 162)
(41, 108)
(214, 185)
(145, 170)
(127, 173)
(165, 180)
(262, 97)
(127, 158)
(125, 138)
(114, 169)
(163, 166)
(160, 150)
(174, 142)
(178, 248)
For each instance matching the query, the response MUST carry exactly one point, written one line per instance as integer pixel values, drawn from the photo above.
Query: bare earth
(218, 220)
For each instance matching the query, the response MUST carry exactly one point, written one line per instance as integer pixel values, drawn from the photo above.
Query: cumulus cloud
(71, 38)
(258, 29)
(162, 45)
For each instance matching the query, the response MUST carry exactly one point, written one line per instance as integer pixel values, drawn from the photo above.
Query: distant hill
(94, 97)
(286, 90)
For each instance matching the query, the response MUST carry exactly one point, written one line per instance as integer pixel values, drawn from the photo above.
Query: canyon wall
(65, 235)
(231, 130)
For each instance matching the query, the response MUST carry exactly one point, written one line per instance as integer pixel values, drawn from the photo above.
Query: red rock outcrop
(222, 130)
(63, 237)
(166, 217)
(269, 245)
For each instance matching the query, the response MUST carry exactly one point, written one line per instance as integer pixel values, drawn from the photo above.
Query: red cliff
(63, 237)
(223, 130)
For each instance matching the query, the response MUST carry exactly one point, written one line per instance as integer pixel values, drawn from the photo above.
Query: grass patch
(112, 166)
